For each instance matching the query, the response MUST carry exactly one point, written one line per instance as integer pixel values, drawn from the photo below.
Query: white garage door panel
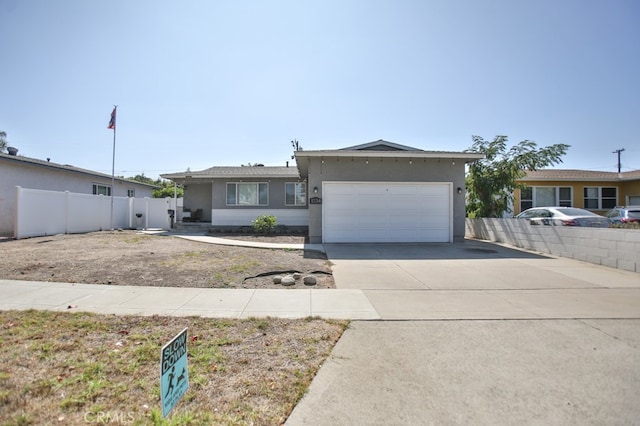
(387, 212)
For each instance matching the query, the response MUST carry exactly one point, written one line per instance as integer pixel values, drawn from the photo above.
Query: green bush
(630, 225)
(264, 224)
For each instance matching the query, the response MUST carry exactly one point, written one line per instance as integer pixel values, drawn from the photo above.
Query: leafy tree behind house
(491, 181)
(166, 187)
(167, 190)
(3, 141)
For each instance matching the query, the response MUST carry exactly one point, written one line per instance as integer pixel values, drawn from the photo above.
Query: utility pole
(618, 151)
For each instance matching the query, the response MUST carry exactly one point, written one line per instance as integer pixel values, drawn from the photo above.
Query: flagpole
(113, 160)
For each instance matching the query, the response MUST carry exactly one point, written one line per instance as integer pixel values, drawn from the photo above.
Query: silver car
(564, 216)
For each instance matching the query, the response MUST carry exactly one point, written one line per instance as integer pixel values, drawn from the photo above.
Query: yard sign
(174, 375)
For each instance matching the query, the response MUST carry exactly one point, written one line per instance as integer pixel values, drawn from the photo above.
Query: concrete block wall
(613, 247)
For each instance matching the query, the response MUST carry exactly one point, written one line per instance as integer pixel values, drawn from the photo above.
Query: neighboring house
(42, 174)
(375, 192)
(591, 190)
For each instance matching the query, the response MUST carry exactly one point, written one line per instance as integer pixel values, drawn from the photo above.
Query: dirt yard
(133, 258)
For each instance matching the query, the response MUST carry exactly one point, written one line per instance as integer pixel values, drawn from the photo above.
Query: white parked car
(564, 216)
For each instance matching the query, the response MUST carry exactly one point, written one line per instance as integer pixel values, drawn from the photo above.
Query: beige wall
(625, 189)
(629, 189)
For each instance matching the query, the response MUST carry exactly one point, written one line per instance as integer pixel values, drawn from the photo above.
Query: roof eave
(389, 154)
(72, 169)
(577, 179)
(229, 176)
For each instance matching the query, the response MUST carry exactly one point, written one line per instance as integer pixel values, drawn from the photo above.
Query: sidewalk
(173, 301)
(384, 284)
(326, 303)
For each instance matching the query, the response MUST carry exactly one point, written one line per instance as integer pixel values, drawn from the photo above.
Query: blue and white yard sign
(174, 374)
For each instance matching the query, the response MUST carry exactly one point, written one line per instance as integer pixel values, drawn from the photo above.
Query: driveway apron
(490, 336)
(479, 280)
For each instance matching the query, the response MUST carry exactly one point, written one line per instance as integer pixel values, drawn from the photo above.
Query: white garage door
(386, 212)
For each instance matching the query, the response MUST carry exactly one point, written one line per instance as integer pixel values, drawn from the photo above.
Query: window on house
(101, 189)
(564, 197)
(248, 194)
(295, 193)
(526, 198)
(545, 196)
(131, 193)
(598, 198)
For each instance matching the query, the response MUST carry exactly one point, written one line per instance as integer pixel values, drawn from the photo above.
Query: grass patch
(135, 239)
(243, 265)
(74, 368)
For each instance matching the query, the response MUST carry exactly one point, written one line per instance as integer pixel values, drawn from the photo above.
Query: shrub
(630, 225)
(264, 224)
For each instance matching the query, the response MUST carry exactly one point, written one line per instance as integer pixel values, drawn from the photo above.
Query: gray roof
(579, 175)
(382, 148)
(379, 148)
(65, 167)
(237, 172)
(380, 145)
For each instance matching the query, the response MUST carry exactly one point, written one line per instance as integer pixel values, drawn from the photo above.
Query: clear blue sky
(204, 83)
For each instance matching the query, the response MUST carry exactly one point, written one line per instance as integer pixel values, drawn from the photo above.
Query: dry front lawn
(132, 258)
(80, 368)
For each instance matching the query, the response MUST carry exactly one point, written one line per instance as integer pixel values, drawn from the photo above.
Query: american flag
(112, 122)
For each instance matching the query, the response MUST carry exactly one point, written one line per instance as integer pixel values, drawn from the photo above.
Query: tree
(491, 181)
(3, 141)
(143, 179)
(168, 190)
(166, 187)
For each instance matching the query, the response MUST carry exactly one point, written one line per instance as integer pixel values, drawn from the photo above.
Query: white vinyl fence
(40, 212)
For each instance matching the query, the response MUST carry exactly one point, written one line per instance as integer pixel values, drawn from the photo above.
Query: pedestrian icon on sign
(173, 359)
(171, 376)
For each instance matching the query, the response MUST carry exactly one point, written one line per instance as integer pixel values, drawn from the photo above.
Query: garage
(390, 212)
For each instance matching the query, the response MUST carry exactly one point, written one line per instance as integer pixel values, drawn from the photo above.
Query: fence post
(67, 201)
(16, 219)
(146, 213)
(130, 212)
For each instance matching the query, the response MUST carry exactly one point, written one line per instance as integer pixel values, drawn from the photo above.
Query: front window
(545, 196)
(101, 189)
(295, 193)
(131, 193)
(597, 198)
(248, 194)
(526, 198)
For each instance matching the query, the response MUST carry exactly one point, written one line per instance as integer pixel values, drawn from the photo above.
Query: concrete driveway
(480, 280)
(491, 336)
